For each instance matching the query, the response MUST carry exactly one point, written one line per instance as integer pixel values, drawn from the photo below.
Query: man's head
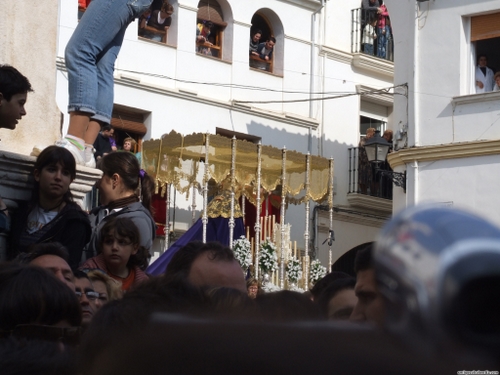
(52, 256)
(87, 297)
(14, 88)
(370, 306)
(482, 61)
(209, 264)
(107, 131)
(337, 300)
(270, 42)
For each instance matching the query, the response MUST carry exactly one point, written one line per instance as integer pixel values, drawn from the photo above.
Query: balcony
(359, 19)
(367, 189)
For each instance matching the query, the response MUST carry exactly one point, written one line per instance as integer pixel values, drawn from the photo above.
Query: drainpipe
(313, 70)
(416, 103)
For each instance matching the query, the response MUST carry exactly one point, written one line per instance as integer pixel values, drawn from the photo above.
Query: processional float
(245, 169)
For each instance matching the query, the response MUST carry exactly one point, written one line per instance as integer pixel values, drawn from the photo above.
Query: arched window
(214, 29)
(266, 21)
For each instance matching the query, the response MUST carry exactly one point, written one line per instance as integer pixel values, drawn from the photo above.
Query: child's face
(117, 250)
(12, 110)
(53, 180)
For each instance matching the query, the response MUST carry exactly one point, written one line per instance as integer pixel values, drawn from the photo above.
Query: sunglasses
(91, 296)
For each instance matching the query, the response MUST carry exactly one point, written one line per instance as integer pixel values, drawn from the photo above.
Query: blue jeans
(368, 48)
(92, 51)
(381, 40)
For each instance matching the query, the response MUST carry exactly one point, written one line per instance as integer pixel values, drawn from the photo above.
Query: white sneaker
(88, 154)
(75, 151)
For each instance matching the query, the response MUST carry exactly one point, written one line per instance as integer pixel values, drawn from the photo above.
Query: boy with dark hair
(14, 88)
(265, 51)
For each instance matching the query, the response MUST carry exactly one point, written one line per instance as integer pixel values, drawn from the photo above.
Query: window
(128, 123)
(210, 29)
(485, 39)
(372, 116)
(271, 28)
(154, 29)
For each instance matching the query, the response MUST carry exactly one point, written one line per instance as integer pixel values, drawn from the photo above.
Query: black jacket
(71, 228)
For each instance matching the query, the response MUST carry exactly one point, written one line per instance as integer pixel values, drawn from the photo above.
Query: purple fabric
(217, 230)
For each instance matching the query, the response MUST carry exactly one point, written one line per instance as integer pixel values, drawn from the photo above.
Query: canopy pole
(233, 183)
(330, 204)
(308, 203)
(282, 218)
(205, 188)
(257, 220)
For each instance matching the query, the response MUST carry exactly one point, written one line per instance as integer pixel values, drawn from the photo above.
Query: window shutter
(128, 121)
(211, 11)
(485, 27)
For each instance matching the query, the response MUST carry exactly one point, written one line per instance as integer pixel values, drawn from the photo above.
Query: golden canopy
(176, 159)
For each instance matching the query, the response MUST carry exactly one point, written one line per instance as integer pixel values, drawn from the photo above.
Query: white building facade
(449, 134)
(319, 95)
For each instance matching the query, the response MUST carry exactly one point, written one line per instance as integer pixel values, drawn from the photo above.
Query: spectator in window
(103, 144)
(143, 21)
(129, 144)
(265, 51)
(202, 34)
(160, 20)
(370, 9)
(497, 82)
(381, 31)
(369, 36)
(484, 75)
(254, 42)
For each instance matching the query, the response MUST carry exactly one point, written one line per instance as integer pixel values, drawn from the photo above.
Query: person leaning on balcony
(160, 20)
(364, 165)
(254, 42)
(202, 34)
(484, 75)
(265, 51)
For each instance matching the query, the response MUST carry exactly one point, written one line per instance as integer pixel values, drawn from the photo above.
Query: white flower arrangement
(317, 271)
(270, 287)
(293, 270)
(268, 258)
(243, 252)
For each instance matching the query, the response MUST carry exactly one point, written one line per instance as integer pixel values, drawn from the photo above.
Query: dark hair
(181, 262)
(106, 128)
(125, 227)
(50, 156)
(125, 164)
(481, 55)
(271, 39)
(35, 357)
(324, 282)
(226, 303)
(166, 7)
(208, 24)
(286, 306)
(38, 249)
(12, 82)
(332, 289)
(32, 295)
(257, 31)
(363, 260)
